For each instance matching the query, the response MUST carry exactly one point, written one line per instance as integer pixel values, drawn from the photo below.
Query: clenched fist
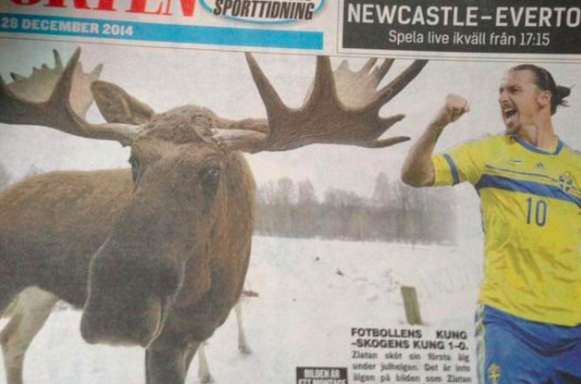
(454, 107)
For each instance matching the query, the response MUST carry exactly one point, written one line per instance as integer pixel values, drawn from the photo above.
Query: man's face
(521, 101)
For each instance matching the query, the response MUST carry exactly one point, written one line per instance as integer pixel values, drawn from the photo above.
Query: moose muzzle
(128, 298)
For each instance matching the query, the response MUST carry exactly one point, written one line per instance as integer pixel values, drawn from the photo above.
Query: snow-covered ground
(311, 293)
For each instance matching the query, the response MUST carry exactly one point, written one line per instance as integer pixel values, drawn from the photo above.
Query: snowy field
(310, 294)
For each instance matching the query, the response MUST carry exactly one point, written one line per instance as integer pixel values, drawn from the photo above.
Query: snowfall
(310, 294)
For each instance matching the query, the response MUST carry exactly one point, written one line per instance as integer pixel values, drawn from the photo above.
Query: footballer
(529, 319)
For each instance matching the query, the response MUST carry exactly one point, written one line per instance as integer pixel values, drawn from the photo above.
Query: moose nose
(107, 323)
(95, 331)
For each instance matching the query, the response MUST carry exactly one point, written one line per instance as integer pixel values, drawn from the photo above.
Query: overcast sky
(221, 81)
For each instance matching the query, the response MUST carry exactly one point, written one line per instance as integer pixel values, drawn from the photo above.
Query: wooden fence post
(411, 305)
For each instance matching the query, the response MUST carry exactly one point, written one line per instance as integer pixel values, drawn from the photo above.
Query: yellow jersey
(531, 216)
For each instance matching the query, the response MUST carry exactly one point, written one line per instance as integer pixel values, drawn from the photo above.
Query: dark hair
(545, 81)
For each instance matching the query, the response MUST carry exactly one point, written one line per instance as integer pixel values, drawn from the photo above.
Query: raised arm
(418, 170)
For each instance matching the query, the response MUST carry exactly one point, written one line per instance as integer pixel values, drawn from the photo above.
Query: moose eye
(210, 178)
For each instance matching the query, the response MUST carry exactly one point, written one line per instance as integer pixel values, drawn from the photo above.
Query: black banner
(492, 26)
(321, 375)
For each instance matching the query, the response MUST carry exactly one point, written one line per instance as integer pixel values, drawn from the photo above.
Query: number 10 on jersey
(537, 211)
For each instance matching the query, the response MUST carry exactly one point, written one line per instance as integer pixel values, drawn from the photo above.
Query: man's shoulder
(571, 156)
(488, 142)
(572, 151)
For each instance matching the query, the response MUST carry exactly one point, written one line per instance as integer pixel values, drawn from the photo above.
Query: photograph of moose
(156, 255)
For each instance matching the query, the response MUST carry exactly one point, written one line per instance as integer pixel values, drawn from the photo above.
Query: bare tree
(307, 210)
(381, 191)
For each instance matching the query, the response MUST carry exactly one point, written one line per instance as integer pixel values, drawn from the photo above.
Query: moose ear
(117, 106)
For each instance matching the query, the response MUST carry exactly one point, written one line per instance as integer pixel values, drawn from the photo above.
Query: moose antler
(343, 108)
(39, 85)
(57, 112)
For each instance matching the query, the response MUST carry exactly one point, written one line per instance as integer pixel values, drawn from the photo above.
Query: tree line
(393, 212)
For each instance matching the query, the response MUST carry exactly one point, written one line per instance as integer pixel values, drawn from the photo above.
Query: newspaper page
(416, 210)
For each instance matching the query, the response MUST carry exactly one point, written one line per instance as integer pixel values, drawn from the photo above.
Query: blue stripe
(538, 189)
(532, 148)
(453, 169)
(166, 33)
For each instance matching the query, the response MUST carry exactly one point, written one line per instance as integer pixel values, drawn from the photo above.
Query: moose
(156, 255)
